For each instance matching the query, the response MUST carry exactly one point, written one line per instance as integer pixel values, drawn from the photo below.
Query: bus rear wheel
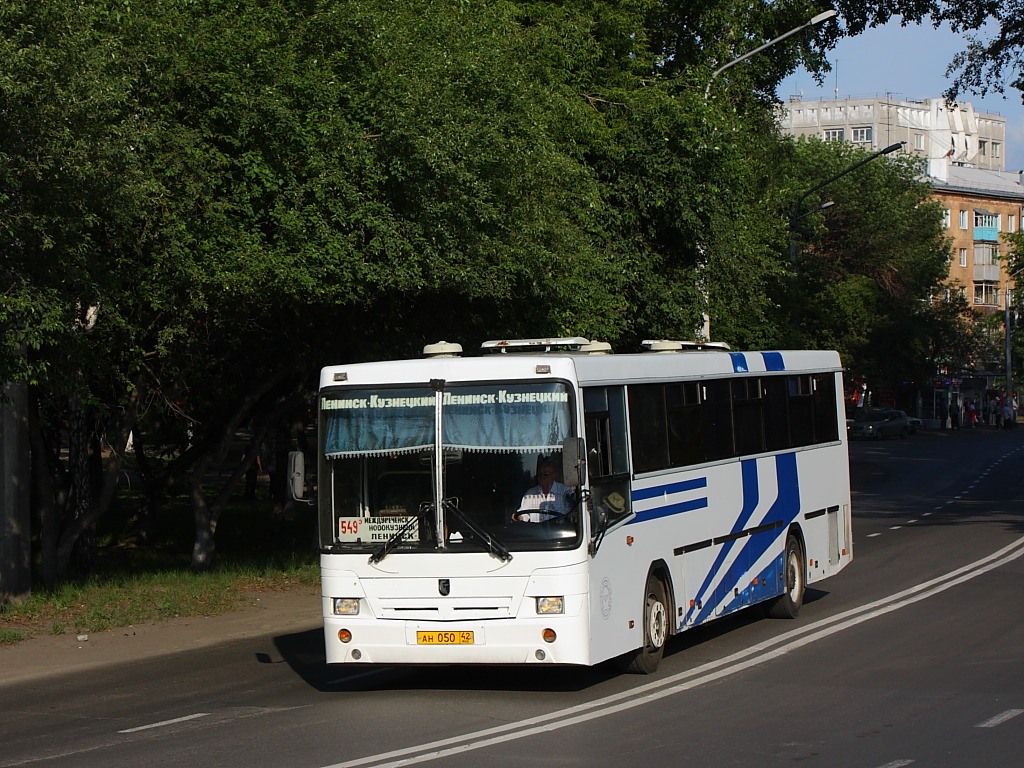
(645, 660)
(787, 605)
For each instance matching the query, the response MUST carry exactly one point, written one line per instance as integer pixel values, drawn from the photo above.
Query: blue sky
(909, 63)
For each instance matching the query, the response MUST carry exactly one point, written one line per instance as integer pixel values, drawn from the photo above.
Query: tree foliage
(203, 201)
(869, 263)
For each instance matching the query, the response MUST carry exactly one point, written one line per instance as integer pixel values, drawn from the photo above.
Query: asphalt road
(911, 656)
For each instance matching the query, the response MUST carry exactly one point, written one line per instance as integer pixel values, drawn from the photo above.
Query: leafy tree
(873, 260)
(203, 201)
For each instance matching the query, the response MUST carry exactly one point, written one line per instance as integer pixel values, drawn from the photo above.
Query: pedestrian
(954, 416)
(1007, 414)
(972, 415)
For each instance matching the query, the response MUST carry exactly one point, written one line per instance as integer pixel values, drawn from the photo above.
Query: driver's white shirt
(557, 501)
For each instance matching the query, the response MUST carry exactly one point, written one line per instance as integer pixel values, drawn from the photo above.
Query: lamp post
(1006, 330)
(796, 209)
(824, 16)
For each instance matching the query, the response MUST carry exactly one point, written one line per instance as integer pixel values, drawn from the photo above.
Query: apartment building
(930, 128)
(964, 150)
(978, 206)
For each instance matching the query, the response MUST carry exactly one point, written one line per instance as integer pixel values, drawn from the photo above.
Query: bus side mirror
(296, 475)
(573, 461)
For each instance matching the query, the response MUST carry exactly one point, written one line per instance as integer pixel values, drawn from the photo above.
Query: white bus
(693, 484)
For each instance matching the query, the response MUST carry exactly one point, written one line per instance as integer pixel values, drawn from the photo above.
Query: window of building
(963, 257)
(1011, 223)
(862, 135)
(986, 293)
(918, 141)
(995, 149)
(964, 220)
(833, 134)
(986, 254)
(946, 220)
(985, 219)
(982, 147)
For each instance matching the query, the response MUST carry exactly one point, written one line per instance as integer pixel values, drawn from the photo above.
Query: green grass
(122, 598)
(256, 551)
(10, 637)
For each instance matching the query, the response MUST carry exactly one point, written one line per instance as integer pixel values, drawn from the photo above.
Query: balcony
(987, 234)
(986, 273)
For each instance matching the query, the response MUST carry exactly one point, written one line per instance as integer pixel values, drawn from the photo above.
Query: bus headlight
(549, 605)
(346, 606)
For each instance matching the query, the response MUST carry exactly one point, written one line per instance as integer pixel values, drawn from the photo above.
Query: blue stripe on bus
(739, 362)
(773, 361)
(750, 495)
(665, 490)
(784, 509)
(670, 509)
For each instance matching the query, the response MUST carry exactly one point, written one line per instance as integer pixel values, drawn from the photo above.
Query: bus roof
(586, 369)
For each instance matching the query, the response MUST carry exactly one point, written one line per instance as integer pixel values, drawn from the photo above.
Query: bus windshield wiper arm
(494, 546)
(385, 549)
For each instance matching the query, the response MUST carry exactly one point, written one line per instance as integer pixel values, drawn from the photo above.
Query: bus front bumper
(544, 640)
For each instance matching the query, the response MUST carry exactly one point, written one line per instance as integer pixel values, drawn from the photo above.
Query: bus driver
(546, 500)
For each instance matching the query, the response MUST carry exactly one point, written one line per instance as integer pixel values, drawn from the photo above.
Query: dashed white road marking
(1001, 718)
(163, 723)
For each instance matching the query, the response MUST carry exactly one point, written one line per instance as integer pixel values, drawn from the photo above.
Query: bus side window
(607, 449)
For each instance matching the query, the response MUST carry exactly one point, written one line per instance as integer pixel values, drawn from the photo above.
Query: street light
(796, 209)
(1006, 329)
(823, 207)
(825, 16)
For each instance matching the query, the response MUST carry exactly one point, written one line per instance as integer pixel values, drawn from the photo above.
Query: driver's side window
(607, 451)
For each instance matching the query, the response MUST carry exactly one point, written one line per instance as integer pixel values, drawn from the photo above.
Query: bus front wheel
(787, 605)
(645, 660)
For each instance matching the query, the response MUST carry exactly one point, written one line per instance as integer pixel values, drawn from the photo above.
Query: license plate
(444, 638)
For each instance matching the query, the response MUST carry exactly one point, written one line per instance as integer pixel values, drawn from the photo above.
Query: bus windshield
(495, 488)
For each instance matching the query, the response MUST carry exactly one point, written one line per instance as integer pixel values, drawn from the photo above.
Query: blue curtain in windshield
(360, 423)
(511, 418)
(498, 419)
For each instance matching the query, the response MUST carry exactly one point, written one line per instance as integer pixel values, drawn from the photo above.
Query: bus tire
(645, 660)
(787, 605)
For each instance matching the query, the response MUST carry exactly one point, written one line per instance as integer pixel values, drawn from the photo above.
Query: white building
(930, 128)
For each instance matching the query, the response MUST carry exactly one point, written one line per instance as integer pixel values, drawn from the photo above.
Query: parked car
(914, 423)
(875, 423)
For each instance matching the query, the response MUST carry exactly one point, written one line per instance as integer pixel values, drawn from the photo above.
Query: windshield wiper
(385, 549)
(494, 546)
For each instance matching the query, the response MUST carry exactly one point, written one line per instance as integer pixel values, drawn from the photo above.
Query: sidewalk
(269, 613)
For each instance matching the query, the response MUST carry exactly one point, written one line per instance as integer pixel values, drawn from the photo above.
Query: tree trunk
(84, 556)
(204, 546)
(205, 515)
(15, 481)
(47, 496)
(81, 523)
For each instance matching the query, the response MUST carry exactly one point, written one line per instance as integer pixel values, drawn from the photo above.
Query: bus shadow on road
(304, 653)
